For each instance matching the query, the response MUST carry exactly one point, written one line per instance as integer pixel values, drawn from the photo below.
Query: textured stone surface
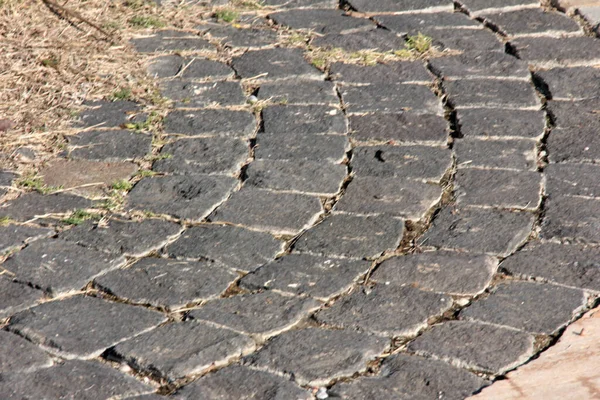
(298, 176)
(481, 231)
(390, 98)
(572, 179)
(386, 310)
(416, 162)
(305, 92)
(491, 94)
(195, 68)
(399, 5)
(513, 154)
(237, 248)
(412, 24)
(292, 120)
(171, 40)
(180, 349)
(210, 122)
(265, 314)
(316, 356)
(321, 21)
(410, 377)
(197, 95)
(480, 64)
(30, 205)
(440, 271)
(475, 346)
(15, 296)
(380, 40)
(400, 71)
(71, 380)
(466, 40)
(302, 3)
(533, 21)
(234, 36)
(502, 123)
(57, 266)
(82, 327)
(15, 236)
(301, 146)
(391, 196)
(400, 127)
(19, 355)
(558, 52)
(167, 283)
(571, 83)
(529, 306)
(190, 197)
(241, 383)
(344, 235)
(574, 218)
(315, 276)
(107, 114)
(130, 238)
(203, 156)
(275, 64)
(284, 213)
(120, 145)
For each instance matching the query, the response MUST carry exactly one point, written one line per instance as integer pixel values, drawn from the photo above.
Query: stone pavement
(404, 230)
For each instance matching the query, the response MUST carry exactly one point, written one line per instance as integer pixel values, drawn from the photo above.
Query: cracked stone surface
(15, 296)
(210, 122)
(514, 154)
(301, 146)
(306, 92)
(471, 93)
(195, 68)
(19, 355)
(399, 127)
(275, 64)
(533, 21)
(390, 98)
(111, 146)
(402, 71)
(292, 120)
(579, 83)
(108, 114)
(479, 65)
(485, 122)
(15, 236)
(232, 36)
(31, 205)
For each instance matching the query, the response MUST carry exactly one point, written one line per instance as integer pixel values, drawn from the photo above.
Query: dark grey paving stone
(275, 64)
(405, 127)
(439, 271)
(481, 64)
(315, 356)
(410, 377)
(238, 248)
(292, 120)
(167, 283)
(573, 218)
(491, 94)
(390, 98)
(265, 314)
(130, 238)
(415, 162)
(489, 6)
(480, 231)
(580, 115)
(190, 197)
(169, 40)
(390, 196)
(278, 213)
(32, 204)
(111, 146)
(254, 37)
(344, 235)
(475, 346)
(558, 52)
(385, 310)
(15, 296)
(189, 94)
(301, 3)
(571, 265)
(15, 236)
(498, 188)
(397, 72)
(195, 68)
(411, 24)
(59, 267)
(298, 176)
(19, 355)
(322, 21)
(71, 380)
(533, 21)
(399, 5)
(466, 40)
(301, 146)
(572, 179)
(203, 156)
(304, 274)
(179, 349)
(571, 83)
(487, 122)
(380, 40)
(517, 154)
(241, 383)
(6, 179)
(532, 307)
(82, 327)
(299, 92)
(108, 114)
(210, 122)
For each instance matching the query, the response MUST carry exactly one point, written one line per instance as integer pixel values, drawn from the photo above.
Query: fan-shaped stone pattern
(211, 155)
(403, 127)
(305, 274)
(380, 40)
(188, 94)
(275, 212)
(409, 377)
(171, 40)
(275, 63)
(440, 271)
(484, 93)
(194, 68)
(487, 122)
(58, 267)
(579, 83)
(480, 65)
(210, 122)
(177, 350)
(167, 283)
(15, 297)
(235, 247)
(533, 21)
(242, 383)
(110, 146)
(322, 21)
(299, 92)
(19, 355)
(316, 356)
(294, 120)
(234, 36)
(513, 154)
(301, 147)
(400, 5)
(134, 239)
(528, 306)
(550, 52)
(15, 236)
(82, 327)
(32, 204)
(475, 346)
(398, 72)
(71, 380)
(110, 114)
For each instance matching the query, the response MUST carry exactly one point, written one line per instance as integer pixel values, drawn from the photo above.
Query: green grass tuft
(141, 21)
(80, 216)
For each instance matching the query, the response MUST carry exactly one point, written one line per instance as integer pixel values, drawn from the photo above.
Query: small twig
(53, 4)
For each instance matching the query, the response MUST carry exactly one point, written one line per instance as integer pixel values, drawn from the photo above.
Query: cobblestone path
(406, 230)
